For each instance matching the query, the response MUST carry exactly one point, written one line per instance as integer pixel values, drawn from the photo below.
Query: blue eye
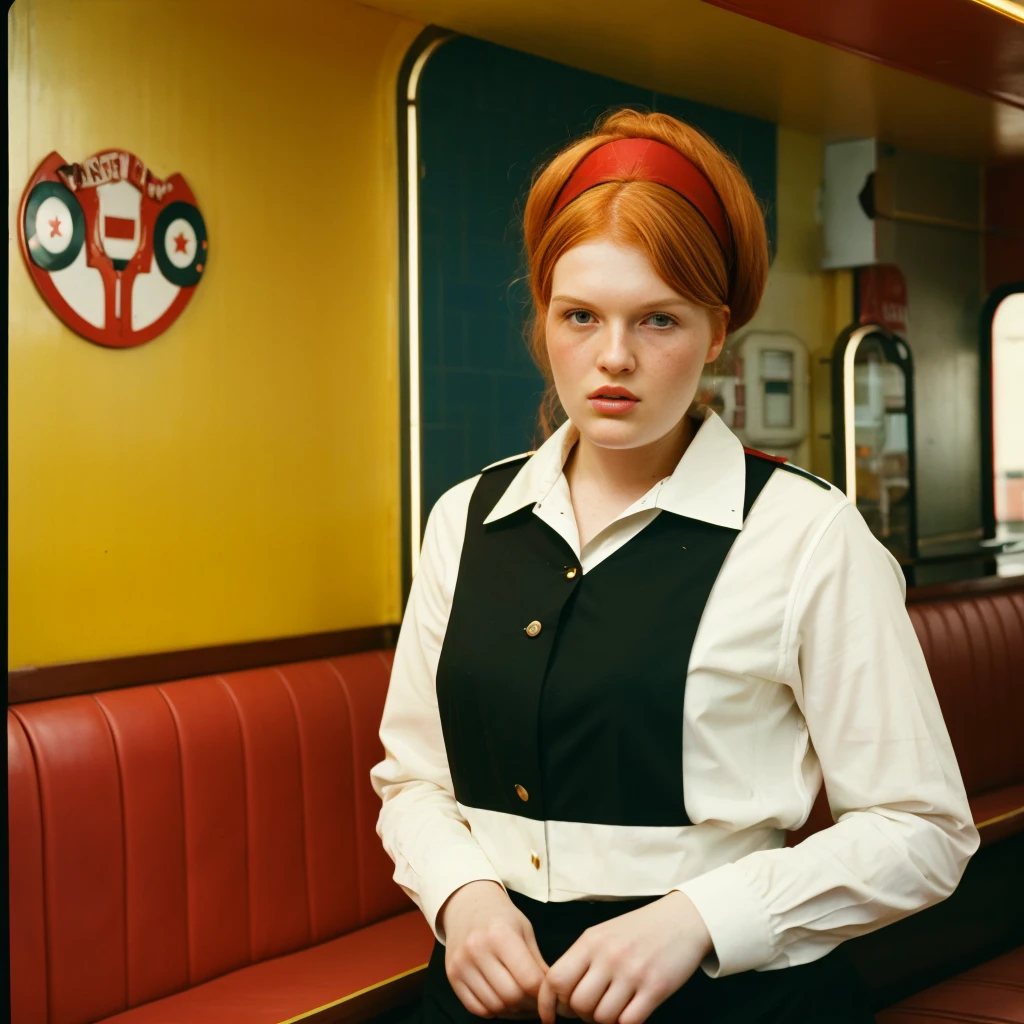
(661, 320)
(581, 317)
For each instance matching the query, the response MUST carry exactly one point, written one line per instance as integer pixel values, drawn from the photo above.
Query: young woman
(629, 658)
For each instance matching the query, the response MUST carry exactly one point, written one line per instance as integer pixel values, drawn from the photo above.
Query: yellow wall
(801, 298)
(236, 478)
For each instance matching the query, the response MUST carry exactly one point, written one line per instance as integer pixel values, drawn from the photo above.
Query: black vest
(583, 720)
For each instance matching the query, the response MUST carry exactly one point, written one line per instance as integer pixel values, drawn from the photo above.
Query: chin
(606, 432)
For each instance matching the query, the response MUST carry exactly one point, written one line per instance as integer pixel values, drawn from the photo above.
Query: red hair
(652, 218)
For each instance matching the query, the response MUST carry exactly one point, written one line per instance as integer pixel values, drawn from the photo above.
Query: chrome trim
(953, 538)
(849, 411)
(413, 298)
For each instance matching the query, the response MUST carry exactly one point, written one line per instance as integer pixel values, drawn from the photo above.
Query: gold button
(571, 574)
(535, 861)
(521, 793)
(533, 628)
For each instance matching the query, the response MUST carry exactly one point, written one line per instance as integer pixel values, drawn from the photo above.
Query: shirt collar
(538, 475)
(708, 482)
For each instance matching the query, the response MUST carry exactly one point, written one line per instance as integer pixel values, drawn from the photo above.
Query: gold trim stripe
(354, 995)
(999, 817)
(1008, 7)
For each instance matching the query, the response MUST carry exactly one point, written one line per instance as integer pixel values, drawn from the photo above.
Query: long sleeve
(420, 824)
(903, 831)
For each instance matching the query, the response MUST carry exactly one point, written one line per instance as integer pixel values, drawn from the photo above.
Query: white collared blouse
(805, 665)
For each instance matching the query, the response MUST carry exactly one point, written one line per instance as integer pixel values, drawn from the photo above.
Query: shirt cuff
(458, 869)
(735, 917)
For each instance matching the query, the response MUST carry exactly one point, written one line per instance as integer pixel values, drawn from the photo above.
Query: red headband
(649, 160)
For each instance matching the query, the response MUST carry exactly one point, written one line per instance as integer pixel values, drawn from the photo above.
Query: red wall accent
(1004, 217)
(958, 42)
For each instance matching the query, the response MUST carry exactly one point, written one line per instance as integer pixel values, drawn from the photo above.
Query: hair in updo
(652, 218)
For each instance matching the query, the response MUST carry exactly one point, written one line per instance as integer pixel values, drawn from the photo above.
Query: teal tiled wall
(489, 117)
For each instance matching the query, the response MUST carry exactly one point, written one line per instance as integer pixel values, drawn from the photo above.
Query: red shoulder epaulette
(765, 455)
(788, 467)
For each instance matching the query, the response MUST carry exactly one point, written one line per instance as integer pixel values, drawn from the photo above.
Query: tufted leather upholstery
(990, 994)
(281, 989)
(979, 640)
(205, 850)
(974, 647)
(163, 836)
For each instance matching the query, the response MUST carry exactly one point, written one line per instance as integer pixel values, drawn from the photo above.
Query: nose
(615, 354)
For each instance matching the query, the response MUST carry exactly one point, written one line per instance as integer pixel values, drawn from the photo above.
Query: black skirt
(827, 991)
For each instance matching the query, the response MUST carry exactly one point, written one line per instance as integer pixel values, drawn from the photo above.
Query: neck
(627, 473)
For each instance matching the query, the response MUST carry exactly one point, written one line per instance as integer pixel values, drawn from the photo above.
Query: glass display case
(873, 434)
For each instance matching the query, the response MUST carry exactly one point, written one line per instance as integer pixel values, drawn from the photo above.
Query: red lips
(613, 392)
(612, 400)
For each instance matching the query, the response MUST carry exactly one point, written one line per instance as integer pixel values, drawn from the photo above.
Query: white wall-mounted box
(851, 235)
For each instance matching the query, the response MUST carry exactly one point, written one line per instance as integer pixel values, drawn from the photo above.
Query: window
(1008, 416)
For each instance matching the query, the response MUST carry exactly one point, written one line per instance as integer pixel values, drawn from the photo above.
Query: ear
(719, 328)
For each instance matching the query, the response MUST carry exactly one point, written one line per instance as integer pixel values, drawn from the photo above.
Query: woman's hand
(619, 971)
(491, 955)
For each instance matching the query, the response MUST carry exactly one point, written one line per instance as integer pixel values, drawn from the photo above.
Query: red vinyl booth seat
(974, 647)
(203, 850)
(990, 994)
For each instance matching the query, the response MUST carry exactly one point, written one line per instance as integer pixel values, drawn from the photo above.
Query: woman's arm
(904, 831)
(491, 955)
(420, 824)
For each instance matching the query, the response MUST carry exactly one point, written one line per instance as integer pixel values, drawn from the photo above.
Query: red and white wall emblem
(116, 252)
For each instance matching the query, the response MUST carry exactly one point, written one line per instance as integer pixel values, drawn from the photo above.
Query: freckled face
(626, 351)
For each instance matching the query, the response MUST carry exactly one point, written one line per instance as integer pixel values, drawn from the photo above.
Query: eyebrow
(674, 300)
